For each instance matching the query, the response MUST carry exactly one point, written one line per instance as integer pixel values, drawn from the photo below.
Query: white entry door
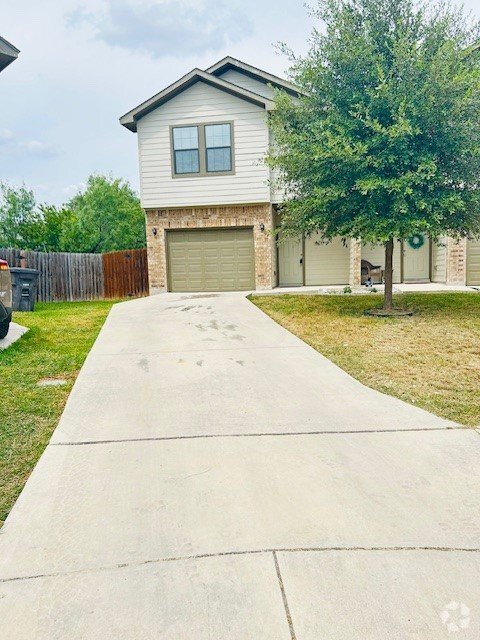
(416, 261)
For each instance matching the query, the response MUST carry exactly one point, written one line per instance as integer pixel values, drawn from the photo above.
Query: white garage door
(326, 264)
(473, 262)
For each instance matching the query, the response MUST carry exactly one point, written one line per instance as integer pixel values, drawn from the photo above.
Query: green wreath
(416, 241)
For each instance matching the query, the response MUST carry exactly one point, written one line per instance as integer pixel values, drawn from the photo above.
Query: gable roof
(129, 120)
(212, 77)
(228, 63)
(8, 53)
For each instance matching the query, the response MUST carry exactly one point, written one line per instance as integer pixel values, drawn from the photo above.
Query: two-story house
(210, 200)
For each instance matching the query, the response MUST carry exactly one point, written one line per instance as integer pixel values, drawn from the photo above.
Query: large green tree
(106, 216)
(385, 143)
(47, 232)
(18, 216)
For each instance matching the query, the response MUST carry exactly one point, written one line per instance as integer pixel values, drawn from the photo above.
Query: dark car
(5, 298)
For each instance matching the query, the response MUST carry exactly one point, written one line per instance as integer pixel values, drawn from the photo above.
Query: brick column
(156, 253)
(456, 261)
(265, 247)
(355, 279)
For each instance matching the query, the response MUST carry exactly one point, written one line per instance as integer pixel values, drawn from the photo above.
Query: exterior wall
(277, 194)
(375, 254)
(199, 104)
(211, 217)
(456, 259)
(244, 81)
(439, 260)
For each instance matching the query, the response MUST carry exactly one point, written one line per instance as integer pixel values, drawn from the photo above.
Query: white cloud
(38, 148)
(31, 147)
(171, 28)
(73, 189)
(5, 136)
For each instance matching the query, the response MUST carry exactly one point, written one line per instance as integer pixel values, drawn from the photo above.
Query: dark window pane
(187, 161)
(217, 135)
(219, 159)
(185, 138)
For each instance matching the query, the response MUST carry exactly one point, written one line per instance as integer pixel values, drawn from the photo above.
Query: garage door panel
(326, 264)
(473, 262)
(211, 260)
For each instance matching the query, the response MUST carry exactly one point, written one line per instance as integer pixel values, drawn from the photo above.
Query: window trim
(202, 151)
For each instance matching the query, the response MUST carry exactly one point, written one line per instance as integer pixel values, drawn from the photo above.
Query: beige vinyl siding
(199, 104)
(277, 191)
(244, 81)
(375, 254)
(439, 260)
(326, 264)
(473, 262)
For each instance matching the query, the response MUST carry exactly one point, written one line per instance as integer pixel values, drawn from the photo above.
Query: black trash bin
(24, 288)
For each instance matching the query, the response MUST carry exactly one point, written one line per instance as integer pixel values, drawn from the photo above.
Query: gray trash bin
(24, 288)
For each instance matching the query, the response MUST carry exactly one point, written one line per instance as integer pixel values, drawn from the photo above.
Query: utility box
(24, 288)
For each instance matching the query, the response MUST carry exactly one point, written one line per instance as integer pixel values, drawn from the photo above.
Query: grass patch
(59, 339)
(431, 360)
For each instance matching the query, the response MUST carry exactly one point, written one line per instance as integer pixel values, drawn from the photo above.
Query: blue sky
(85, 63)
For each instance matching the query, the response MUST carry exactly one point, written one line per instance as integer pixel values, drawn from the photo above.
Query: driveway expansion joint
(83, 443)
(284, 596)
(222, 554)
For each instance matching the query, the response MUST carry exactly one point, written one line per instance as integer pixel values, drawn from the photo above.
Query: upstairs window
(218, 145)
(202, 150)
(186, 150)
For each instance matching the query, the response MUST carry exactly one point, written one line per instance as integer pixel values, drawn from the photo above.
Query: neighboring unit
(211, 201)
(8, 53)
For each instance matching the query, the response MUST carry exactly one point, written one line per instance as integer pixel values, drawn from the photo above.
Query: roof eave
(8, 53)
(228, 63)
(130, 119)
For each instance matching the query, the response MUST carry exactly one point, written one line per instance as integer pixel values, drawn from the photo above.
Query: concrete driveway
(214, 478)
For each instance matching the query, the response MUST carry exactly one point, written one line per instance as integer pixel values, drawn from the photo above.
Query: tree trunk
(388, 299)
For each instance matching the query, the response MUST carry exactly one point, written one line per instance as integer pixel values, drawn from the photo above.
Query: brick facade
(355, 279)
(159, 221)
(456, 261)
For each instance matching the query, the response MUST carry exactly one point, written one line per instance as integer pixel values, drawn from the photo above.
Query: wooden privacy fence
(125, 273)
(84, 276)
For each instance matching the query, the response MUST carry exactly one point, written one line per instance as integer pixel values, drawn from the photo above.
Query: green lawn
(431, 359)
(60, 337)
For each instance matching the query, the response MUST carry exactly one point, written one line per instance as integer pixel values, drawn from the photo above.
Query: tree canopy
(18, 217)
(105, 216)
(385, 143)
